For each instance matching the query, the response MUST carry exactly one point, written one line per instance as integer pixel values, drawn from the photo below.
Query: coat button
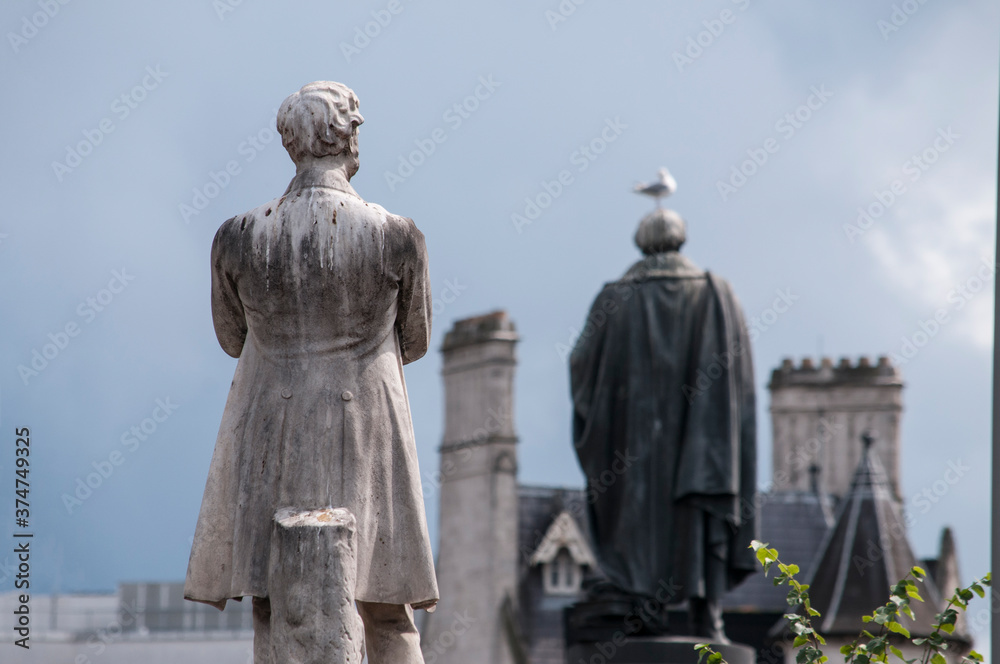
(286, 393)
(347, 396)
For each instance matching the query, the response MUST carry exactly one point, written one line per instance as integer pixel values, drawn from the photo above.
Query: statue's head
(660, 231)
(321, 120)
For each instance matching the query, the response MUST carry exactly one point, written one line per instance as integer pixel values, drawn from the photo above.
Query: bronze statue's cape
(664, 427)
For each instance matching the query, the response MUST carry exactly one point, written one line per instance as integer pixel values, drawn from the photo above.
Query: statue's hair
(318, 120)
(662, 230)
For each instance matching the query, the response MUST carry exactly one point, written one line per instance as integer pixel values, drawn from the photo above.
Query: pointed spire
(867, 439)
(946, 574)
(865, 553)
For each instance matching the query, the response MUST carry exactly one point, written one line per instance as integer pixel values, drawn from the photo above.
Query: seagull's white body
(664, 185)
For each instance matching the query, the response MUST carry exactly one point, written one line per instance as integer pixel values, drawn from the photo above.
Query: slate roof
(794, 523)
(538, 506)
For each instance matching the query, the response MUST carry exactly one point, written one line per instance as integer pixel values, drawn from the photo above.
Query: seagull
(664, 185)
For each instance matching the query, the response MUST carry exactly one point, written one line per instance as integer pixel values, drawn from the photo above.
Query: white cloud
(936, 251)
(926, 178)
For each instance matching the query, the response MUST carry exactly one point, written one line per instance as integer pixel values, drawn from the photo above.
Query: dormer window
(562, 575)
(563, 554)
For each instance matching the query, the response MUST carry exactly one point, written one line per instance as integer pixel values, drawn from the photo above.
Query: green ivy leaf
(899, 629)
(897, 652)
(947, 619)
(938, 658)
(808, 655)
(918, 572)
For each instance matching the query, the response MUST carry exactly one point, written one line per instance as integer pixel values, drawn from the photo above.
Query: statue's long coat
(324, 298)
(664, 427)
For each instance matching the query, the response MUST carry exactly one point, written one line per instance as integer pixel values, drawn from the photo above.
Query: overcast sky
(120, 120)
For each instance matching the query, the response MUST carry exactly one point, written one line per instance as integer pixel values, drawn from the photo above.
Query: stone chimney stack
(477, 553)
(818, 413)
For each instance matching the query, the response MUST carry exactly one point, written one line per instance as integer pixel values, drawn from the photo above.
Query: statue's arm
(413, 305)
(227, 309)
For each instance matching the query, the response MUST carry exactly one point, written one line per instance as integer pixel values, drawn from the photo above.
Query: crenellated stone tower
(818, 414)
(477, 563)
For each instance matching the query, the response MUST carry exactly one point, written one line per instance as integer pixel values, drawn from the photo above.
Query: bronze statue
(665, 431)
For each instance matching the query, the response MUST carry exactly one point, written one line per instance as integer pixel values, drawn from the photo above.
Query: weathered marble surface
(323, 297)
(313, 574)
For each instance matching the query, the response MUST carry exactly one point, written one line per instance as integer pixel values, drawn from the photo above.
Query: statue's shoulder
(725, 293)
(669, 265)
(721, 285)
(374, 211)
(400, 225)
(233, 231)
(399, 232)
(240, 222)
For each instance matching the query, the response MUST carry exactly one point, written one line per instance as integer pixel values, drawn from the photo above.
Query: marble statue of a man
(323, 297)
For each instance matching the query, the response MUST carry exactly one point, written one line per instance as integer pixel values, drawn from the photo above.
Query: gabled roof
(865, 553)
(795, 523)
(538, 508)
(564, 533)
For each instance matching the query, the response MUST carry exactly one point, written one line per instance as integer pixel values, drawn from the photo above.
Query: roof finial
(868, 439)
(814, 478)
